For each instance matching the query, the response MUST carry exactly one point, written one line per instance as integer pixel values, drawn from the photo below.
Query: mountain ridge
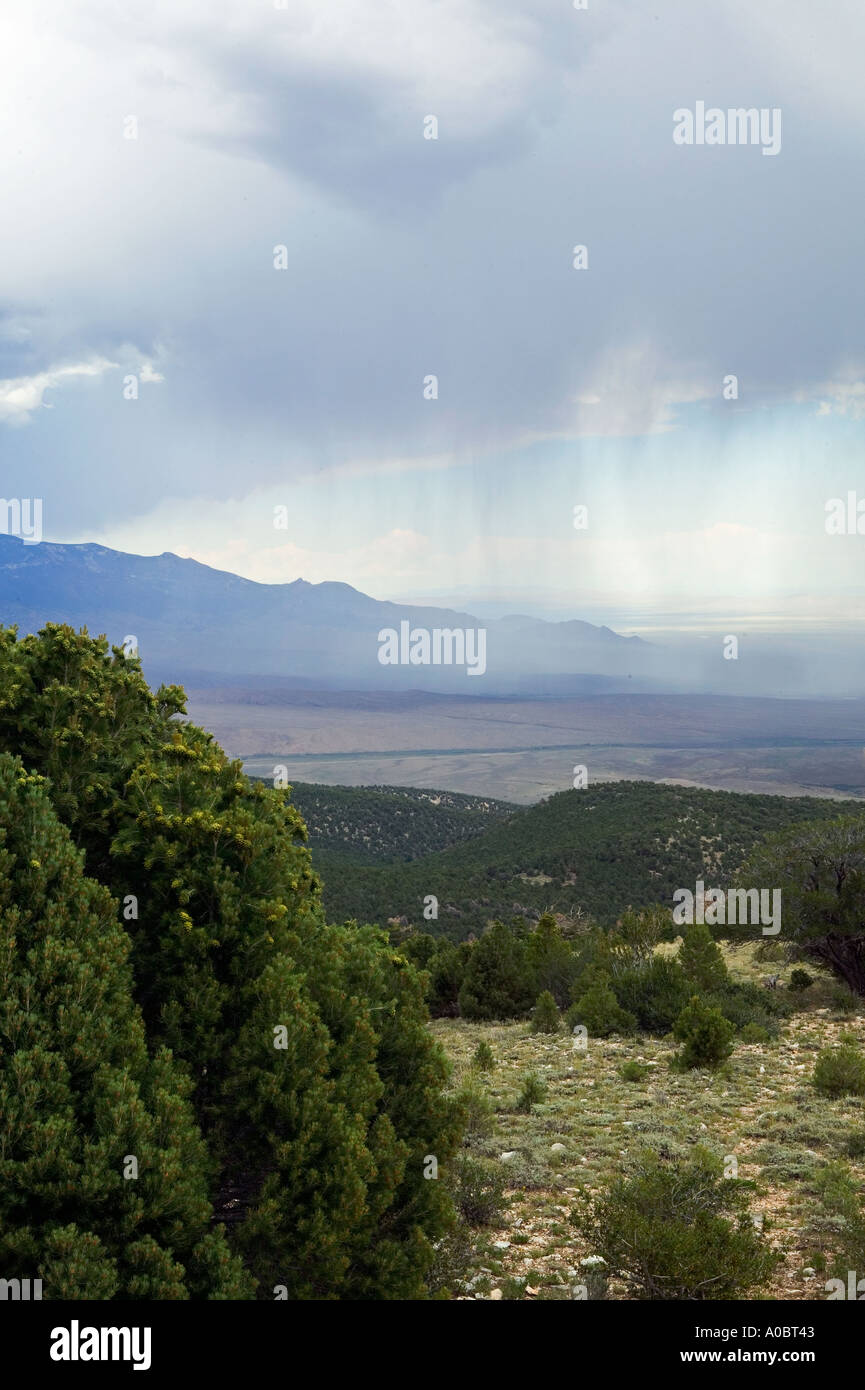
(189, 616)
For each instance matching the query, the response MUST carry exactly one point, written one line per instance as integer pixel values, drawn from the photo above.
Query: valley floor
(521, 750)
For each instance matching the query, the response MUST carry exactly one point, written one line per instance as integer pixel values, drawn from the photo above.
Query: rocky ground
(761, 1108)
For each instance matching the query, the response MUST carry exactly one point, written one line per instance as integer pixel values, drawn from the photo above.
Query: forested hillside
(600, 850)
(379, 824)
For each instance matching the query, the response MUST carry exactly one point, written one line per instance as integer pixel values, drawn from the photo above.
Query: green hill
(598, 850)
(377, 825)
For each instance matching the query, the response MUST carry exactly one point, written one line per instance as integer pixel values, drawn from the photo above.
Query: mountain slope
(193, 621)
(382, 824)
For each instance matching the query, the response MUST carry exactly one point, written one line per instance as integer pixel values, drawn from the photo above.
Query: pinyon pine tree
(496, 983)
(701, 960)
(103, 1173)
(316, 1084)
(550, 962)
(819, 872)
(545, 1015)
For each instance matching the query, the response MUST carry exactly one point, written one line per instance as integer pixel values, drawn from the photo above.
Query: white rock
(506, 1157)
(496, 1295)
(557, 1149)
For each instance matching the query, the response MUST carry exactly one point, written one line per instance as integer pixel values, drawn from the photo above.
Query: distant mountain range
(204, 626)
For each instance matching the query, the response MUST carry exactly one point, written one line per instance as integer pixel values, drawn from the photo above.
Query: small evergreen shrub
(633, 1071)
(475, 1110)
(483, 1057)
(533, 1092)
(744, 1004)
(599, 1011)
(545, 1015)
(655, 993)
(754, 1033)
(840, 1071)
(800, 980)
(705, 1034)
(677, 1230)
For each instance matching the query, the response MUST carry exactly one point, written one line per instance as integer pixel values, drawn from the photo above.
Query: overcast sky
(256, 126)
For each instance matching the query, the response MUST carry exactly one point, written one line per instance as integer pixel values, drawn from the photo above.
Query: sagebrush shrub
(840, 1071)
(452, 1262)
(677, 1230)
(633, 1071)
(754, 1033)
(838, 1191)
(478, 1191)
